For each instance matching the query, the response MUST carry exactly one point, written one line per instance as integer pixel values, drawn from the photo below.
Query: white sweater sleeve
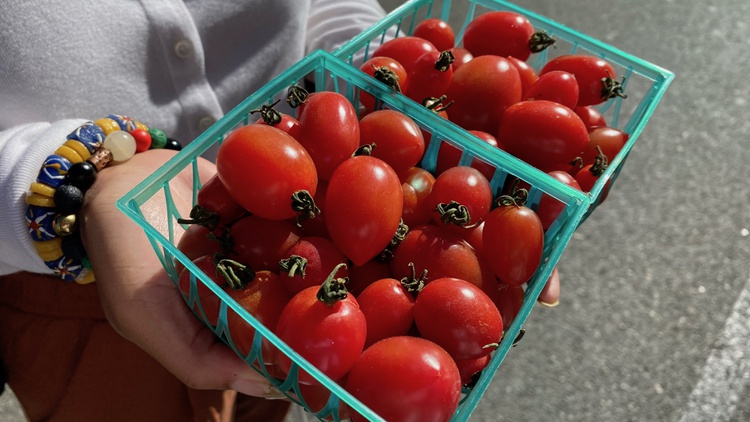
(23, 149)
(333, 22)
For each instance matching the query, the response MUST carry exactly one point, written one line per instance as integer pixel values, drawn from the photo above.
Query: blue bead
(53, 171)
(41, 222)
(88, 134)
(66, 268)
(126, 123)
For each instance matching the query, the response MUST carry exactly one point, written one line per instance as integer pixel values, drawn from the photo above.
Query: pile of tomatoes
(395, 282)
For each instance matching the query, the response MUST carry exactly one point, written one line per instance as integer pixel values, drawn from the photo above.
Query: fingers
(550, 295)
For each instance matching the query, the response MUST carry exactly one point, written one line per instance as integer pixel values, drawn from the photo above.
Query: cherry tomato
(473, 236)
(361, 276)
(590, 116)
(416, 185)
(596, 78)
(459, 317)
(264, 298)
(481, 91)
(449, 156)
(609, 140)
(542, 133)
(330, 335)
(589, 175)
(461, 56)
(430, 76)
(503, 33)
(470, 368)
(308, 263)
(558, 86)
(317, 226)
(441, 252)
(513, 240)
(398, 139)
(527, 73)
(508, 300)
(254, 164)
(460, 197)
(214, 197)
(549, 208)
(436, 31)
(283, 121)
(206, 299)
(261, 243)
(196, 242)
(363, 205)
(406, 379)
(405, 50)
(386, 70)
(389, 309)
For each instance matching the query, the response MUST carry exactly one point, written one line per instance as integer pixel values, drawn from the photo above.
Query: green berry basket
(644, 83)
(324, 71)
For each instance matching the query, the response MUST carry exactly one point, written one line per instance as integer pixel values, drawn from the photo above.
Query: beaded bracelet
(57, 194)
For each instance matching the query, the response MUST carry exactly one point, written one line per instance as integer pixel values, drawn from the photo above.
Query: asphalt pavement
(653, 323)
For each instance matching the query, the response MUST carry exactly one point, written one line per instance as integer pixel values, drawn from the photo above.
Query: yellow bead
(42, 189)
(140, 125)
(78, 147)
(40, 200)
(49, 245)
(107, 125)
(85, 277)
(69, 154)
(51, 255)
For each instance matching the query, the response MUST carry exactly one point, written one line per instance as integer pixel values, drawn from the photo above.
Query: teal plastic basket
(329, 73)
(645, 83)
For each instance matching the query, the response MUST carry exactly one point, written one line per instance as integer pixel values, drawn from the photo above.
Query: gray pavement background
(653, 323)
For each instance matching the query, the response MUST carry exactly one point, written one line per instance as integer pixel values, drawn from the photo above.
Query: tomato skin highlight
(262, 167)
(363, 205)
(406, 379)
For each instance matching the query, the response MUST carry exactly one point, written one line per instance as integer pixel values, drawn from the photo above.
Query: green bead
(158, 138)
(86, 263)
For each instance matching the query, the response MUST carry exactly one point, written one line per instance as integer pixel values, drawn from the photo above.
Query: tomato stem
(202, 216)
(540, 40)
(444, 61)
(436, 104)
(387, 76)
(600, 163)
(237, 275)
(226, 242)
(296, 95)
(612, 88)
(304, 204)
(269, 115)
(454, 213)
(293, 265)
(516, 197)
(414, 284)
(365, 149)
(401, 231)
(333, 289)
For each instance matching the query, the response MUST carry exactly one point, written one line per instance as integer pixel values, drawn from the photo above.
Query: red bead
(142, 139)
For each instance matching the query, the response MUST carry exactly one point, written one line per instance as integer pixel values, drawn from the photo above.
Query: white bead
(121, 144)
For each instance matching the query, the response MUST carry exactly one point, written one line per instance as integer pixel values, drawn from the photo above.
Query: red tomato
(386, 70)
(317, 226)
(361, 276)
(430, 76)
(441, 252)
(260, 243)
(449, 156)
(590, 116)
(331, 336)
(262, 168)
(609, 140)
(504, 33)
(329, 130)
(405, 50)
(398, 139)
(416, 185)
(481, 91)
(473, 236)
(558, 86)
(459, 317)
(206, 299)
(460, 197)
(508, 300)
(527, 73)
(436, 31)
(213, 196)
(283, 121)
(549, 208)
(461, 56)
(595, 76)
(196, 242)
(542, 133)
(388, 308)
(264, 298)
(308, 263)
(513, 240)
(406, 379)
(589, 175)
(471, 368)
(363, 205)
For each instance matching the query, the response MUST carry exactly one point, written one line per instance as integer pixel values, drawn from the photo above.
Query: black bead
(81, 175)
(173, 144)
(72, 246)
(68, 199)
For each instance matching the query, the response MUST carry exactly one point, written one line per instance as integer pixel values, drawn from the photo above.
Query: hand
(138, 297)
